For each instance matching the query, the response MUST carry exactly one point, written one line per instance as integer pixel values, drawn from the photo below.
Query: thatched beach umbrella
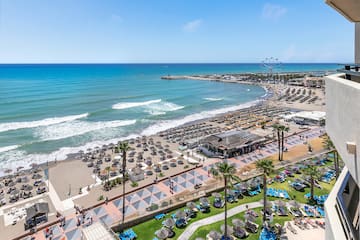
(180, 214)
(204, 200)
(229, 229)
(215, 235)
(238, 222)
(216, 195)
(294, 204)
(249, 217)
(191, 205)
(162, 233)
(280, 203)
(8, 170)
(169, 223)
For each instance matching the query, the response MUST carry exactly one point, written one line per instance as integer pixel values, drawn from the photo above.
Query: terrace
(147, 229)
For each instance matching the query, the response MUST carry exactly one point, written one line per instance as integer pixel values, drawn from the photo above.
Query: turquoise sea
(49, 111)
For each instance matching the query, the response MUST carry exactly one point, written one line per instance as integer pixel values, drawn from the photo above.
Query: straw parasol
(294, 204)
(169, 223)
(204, 200)
(216, 195)
(162, 233)
(215, 235)
(191, 205)
(238, 222)
(180, 214)
(280, 203)
(229, 229)
(249, 217)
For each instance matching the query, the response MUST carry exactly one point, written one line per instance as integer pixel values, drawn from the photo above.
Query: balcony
(352, 72)
(342, 209)
(343, 115)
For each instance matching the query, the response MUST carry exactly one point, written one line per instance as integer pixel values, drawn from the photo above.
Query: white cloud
(289, 53)
(116, 17)
(192, 26)
(273, 12)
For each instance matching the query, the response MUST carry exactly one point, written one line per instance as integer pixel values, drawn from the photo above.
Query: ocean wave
(167, 124)
(8, 148)
(16, 158)
(39, 123)
(75, 128)
(162, 107)
(213, 99)
(125, 105)
(155, 112)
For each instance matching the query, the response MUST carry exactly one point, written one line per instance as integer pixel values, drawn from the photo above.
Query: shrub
(134, 184)
(100, 198)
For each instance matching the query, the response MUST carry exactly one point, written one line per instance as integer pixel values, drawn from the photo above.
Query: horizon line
(105, 63)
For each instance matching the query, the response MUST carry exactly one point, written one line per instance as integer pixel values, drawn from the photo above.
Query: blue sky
(148, 31)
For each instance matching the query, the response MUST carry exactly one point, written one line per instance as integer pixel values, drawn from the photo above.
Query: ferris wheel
(271, 65)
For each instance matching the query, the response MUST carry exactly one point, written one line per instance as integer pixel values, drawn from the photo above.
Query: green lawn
(146, 230)
(204, 230)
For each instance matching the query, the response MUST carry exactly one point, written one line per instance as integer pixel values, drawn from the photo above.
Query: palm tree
(283, 129)
(123, 148)
(107, 169)
(227, 172)
(267, 167)
(277, 128)
(312, 171)
(329, 145)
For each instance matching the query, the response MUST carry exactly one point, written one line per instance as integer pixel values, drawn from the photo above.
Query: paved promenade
(138, 201)
(189, 231)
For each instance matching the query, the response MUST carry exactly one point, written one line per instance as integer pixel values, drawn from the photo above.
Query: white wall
(357, 43)
(333, 229)
(343, 118)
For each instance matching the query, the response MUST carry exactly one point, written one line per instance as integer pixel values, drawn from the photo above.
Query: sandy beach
(78, 181)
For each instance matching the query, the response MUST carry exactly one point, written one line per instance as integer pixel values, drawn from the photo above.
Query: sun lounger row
(279, 193)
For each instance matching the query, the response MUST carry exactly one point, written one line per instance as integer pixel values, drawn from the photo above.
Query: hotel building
(343, 126)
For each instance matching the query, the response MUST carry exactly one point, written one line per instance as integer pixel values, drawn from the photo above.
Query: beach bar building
(36, 214)
(231, 143)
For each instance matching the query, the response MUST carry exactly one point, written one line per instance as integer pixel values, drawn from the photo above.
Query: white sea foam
(8, 148)
(39, 123)
(125, 105)
(213, 99)
(75, 128)
(15, 158)
(166, 124)
(162, 107)
(155, 112)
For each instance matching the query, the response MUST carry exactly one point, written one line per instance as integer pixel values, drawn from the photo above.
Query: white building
(343, 126)
(307, 117)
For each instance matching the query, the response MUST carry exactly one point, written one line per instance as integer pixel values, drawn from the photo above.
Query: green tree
(283, 129)
(266, 167)
(123, 147)
(107, 169)
(225, 171)
(329, 145)
(313, 173)
(276, 127)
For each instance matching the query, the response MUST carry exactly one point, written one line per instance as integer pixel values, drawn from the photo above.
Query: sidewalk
(189, 231)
